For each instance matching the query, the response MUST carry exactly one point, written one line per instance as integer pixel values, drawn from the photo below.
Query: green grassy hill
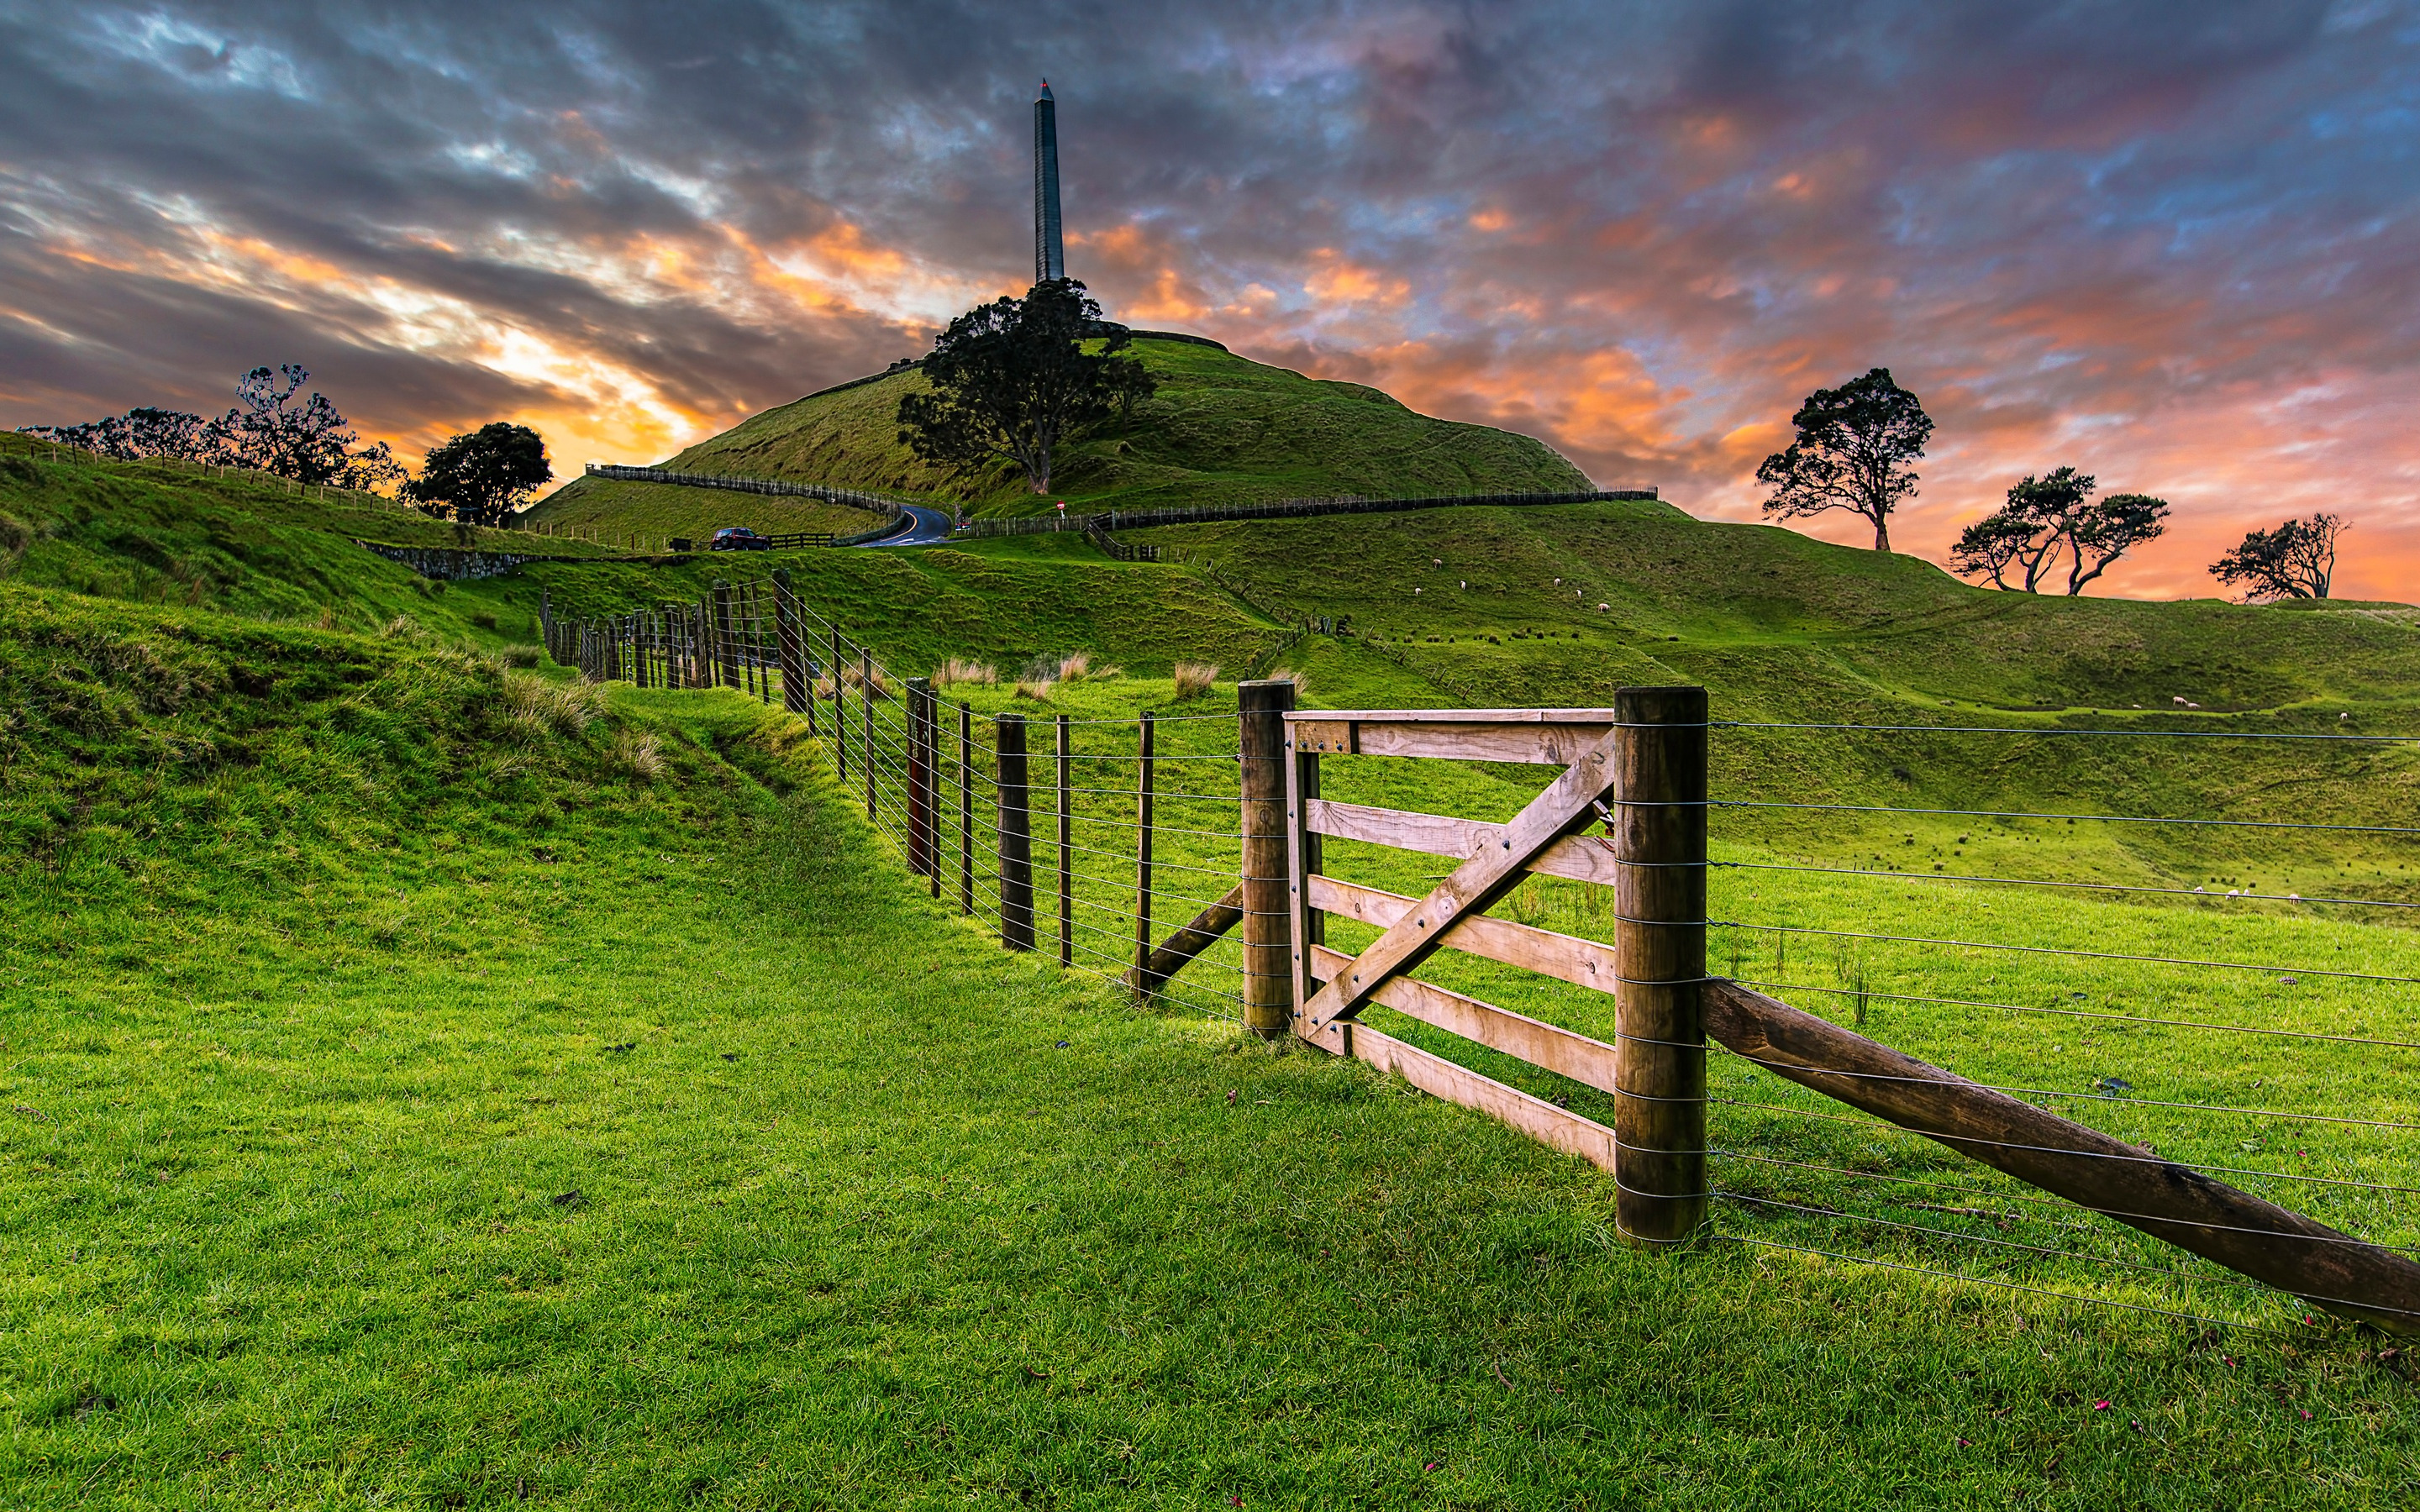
(431, 1081)
(1222, 429)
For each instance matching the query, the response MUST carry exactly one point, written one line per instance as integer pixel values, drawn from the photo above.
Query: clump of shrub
(959, 670)
(1194, 678)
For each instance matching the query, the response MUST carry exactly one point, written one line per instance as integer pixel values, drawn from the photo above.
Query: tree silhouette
(2053, 518)
(308, 441)
(480, 478)
(1852, 452)
(2297, 560)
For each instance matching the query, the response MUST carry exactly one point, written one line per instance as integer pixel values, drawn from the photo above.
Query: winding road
(922, 527)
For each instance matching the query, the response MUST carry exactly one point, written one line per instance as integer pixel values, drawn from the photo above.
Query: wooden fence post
(726, 649)
(1659, 1120)
(1067, 844)
(1268, 936)
(786, 648)
(1145, 781)
(966, 810)
(1016, 837)
(840, 712)
(865, 689)
(920, 806)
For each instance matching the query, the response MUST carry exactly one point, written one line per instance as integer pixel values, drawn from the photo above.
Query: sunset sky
(2175, 245)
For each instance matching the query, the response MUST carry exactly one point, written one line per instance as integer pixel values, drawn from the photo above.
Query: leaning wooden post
(1143, 786)
(966, 810)
(786, 648)
(1268, 936)
(1659, 837)
(1067, 844)
(840, 712)
(865, 688)
(726, 647)
(1016, 837)
(920, 811)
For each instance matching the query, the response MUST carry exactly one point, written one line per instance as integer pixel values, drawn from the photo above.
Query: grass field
(429, 1083)
(1222, 429)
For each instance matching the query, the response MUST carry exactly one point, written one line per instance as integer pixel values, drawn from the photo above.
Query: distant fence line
(1097, 525)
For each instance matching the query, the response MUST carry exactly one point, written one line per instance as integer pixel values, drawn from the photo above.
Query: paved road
(924, 527)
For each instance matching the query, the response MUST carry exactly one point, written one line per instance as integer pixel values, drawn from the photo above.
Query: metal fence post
(1268, 934)
(839, 712)
(726, 649)
(1143, 784)
(1067, 844)
(1016, 837)
(1659, 1122)
(787, 650)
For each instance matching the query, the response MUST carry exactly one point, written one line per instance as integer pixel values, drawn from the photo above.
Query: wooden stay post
(726, 647)
(920, 796)
(839, 712)
(865, 688)
(1066, 812)
(790, 649)
(966, 810)
(1143, 784)
(1268, 966)
(1016, 835)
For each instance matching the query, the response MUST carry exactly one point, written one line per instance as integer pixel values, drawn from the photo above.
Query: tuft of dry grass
(879, 683)
(1194, 678)
(1301, 682)
(1038, 688)
(1075, 666)
(958, 669)
(538, 707)
(524, 656)
(638, 757)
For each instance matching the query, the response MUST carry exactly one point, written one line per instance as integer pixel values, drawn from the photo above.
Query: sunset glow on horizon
(2173, 248)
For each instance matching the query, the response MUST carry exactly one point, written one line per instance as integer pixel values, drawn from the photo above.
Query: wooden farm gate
(1637, 773)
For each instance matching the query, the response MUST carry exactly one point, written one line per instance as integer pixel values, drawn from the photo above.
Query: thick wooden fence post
(865, 688)
(726, 649)
(919, 806)
(840, 712)
(1268, 936)
(1067, 844)
(966, 810)
(1659, 1120)
(1016, 837)
(787, 649)
(1144, 783)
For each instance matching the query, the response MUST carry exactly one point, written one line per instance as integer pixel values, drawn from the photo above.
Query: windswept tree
(1854, 447)
(1010, 380)
(2053, 520)
(2297, 560)
(138, 435)
(306, 440)
(480, 478)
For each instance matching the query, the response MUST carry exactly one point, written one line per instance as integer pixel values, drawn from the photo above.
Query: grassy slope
(659, 512)
(1222, 428)
(314, 1032)
(161, 534)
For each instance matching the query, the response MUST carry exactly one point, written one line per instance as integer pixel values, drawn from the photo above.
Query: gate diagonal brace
(1568, 805)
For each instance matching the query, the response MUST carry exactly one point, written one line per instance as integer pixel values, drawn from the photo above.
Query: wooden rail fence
(1627, 810)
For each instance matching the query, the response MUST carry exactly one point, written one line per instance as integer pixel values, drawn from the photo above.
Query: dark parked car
(738, 538)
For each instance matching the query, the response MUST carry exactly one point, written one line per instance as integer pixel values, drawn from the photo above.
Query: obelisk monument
(1049, 260)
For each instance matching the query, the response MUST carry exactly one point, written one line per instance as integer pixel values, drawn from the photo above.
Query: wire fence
(1110, 875)
(2105, 965)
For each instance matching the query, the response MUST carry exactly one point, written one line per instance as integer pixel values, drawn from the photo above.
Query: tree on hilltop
(308, 441)
(2050, 520)
(481, 477)
(1852, 452)
(2297, 560)
(138, 435)
(1011, 379)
